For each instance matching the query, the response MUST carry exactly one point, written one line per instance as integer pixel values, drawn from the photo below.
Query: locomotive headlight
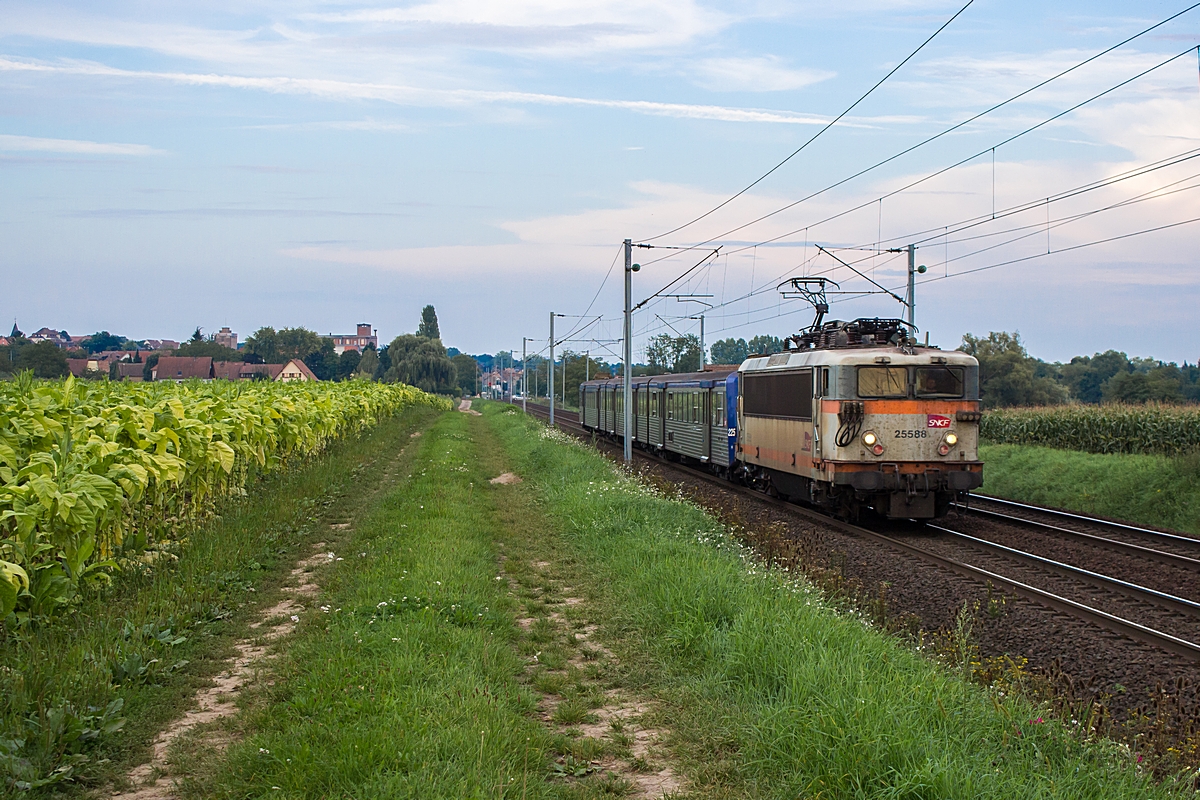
(951, 439)
(869, 438)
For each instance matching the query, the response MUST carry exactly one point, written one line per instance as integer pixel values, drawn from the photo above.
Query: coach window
(939, 382)
(670, 405)
(883, 382)
(718, 409)
(654, 404)
(696, 411)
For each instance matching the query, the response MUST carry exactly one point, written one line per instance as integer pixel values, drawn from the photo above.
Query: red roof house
(182, 368)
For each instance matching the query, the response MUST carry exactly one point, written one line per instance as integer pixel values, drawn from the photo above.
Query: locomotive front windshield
(883, 382)
(939, 382)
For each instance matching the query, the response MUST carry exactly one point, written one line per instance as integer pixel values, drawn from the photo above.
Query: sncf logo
(937, 421)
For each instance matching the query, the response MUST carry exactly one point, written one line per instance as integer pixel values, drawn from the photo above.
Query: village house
(241, 371)
(133, 372)
(81, 367)
(60, 338)
(296, 370)
(182, 368)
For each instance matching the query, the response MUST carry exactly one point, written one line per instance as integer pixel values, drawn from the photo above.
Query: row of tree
(1009, 376)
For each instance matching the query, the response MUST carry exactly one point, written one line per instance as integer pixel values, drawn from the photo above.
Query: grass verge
(770, 692)
(1149, 489)
(82, 699)
(407, 682)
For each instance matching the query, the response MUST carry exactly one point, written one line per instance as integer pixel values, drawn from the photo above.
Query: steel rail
(1188, 541)
(1103, 619)
(1103, 541)
(1133, 590)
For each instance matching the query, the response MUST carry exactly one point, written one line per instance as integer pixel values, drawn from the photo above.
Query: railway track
(1016, 571)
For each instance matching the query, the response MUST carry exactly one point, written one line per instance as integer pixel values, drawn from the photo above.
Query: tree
(197, 335)
(729, 351)
(368, 363)
(1085, 376)
(579, 368)
(466, 370)
(348, 362)
(1008, 376)
(385, 362)
(263, 344)
(429, 324)
(764, 345)
(102, 341)
(323, 361)
(148, 368)
(46, 360)
(421, 362)
(207, 347)
(1160, 384)
(279, 347)
(675, 354)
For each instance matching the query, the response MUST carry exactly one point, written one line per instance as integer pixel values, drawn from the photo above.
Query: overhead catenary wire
(958, 126)
(816, 135)
(1034, 229)
(964, 224)
(955, 165)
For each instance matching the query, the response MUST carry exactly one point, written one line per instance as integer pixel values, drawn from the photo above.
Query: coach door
(820, 390)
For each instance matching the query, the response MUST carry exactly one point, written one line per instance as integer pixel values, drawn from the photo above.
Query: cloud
(570, 26)
(287, 213)
(335, 125)
(9, 142)
(761, 74)
(415, 96)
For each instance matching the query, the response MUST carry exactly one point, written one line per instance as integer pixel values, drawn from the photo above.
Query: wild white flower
(295, 618)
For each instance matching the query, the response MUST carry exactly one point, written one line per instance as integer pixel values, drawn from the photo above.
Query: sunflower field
(95, 472)
(1143, 429)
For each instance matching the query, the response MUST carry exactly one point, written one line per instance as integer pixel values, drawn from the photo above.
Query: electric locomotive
(851, 416)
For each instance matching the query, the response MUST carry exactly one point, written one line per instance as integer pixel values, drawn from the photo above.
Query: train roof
(716, 374)
(897, 356)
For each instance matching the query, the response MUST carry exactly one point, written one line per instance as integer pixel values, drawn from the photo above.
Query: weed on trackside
(772, 692)
(1158, 490)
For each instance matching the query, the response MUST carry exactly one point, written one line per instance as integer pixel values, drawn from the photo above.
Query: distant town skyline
(305, 164)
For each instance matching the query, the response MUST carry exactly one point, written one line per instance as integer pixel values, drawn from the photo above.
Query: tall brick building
(354, 341)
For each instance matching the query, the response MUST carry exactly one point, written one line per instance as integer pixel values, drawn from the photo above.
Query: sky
(320, 164)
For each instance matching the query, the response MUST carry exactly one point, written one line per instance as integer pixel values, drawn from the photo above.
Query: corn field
(1167, 430)
(95, 472)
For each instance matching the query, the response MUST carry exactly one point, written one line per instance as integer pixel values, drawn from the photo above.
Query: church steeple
(16, 331)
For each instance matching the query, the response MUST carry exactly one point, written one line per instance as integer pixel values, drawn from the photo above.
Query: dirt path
(219, 701)
(629, 752)
(617, 738)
